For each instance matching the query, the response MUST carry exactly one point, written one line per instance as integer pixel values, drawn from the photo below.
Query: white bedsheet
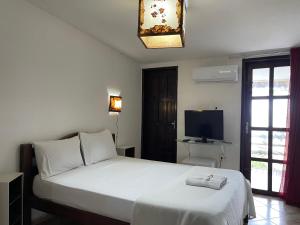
(125, 188)
(181, 204)
(110, 187)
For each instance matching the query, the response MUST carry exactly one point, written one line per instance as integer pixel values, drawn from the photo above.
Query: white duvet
(144, 192)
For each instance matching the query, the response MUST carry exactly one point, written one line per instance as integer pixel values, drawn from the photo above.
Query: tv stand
(199, 161)
(204, 140)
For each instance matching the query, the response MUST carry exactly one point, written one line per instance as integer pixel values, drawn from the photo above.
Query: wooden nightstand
(11, 199)
(127, 151)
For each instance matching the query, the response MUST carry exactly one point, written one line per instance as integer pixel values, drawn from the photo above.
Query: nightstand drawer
(128, 151)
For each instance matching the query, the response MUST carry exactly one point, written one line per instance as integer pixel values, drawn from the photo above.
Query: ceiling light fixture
(161, 23)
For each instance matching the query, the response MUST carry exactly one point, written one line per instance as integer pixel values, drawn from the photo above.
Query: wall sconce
(115, 104)
(161, 23)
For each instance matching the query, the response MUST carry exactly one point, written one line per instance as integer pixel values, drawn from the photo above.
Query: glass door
(266, 85)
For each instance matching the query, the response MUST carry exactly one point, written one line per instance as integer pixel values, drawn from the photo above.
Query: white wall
(55, 80)
(226, 96)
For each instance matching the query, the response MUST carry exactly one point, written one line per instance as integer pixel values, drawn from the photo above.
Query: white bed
(144, 192)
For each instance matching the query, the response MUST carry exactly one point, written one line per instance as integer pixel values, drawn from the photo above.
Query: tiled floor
(269, 210)
(273, 211)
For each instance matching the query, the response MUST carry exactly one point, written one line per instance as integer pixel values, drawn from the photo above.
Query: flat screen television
(207, 124)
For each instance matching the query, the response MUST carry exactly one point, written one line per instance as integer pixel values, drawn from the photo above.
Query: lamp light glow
(115, 104)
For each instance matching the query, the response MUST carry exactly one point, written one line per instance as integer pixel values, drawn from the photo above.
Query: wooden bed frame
(30, 201)
(29, 169)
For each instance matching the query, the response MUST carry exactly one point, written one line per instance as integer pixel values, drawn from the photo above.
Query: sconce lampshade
(161, 23)
(115, 104)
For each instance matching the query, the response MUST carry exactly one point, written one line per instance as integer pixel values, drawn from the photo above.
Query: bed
(127, 191)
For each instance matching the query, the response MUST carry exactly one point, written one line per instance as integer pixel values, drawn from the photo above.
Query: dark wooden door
(159, 131)
(264, 121)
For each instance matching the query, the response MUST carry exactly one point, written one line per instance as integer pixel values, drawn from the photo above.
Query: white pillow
(54, 157)
(97, 146)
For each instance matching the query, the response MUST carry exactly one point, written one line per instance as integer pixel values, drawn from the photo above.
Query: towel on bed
(212, 181)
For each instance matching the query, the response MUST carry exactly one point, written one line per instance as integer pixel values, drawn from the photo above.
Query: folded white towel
(211, 181)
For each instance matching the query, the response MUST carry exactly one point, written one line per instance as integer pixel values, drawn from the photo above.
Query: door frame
(245, 148)
(176, 104)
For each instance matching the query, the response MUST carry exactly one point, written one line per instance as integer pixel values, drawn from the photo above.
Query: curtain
(286, 148)
(291, 179)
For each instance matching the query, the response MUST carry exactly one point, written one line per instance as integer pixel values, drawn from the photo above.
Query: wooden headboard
(28, 165)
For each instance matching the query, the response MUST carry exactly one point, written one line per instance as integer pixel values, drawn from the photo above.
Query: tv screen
(204, 124)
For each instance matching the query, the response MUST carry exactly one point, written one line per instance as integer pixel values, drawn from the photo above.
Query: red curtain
(291, 180)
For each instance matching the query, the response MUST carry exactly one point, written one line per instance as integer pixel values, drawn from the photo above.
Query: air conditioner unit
(228, 73)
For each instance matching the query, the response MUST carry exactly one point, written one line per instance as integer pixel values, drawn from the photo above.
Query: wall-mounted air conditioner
(228, 73)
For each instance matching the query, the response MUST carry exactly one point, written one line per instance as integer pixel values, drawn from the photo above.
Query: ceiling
(214, 27)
